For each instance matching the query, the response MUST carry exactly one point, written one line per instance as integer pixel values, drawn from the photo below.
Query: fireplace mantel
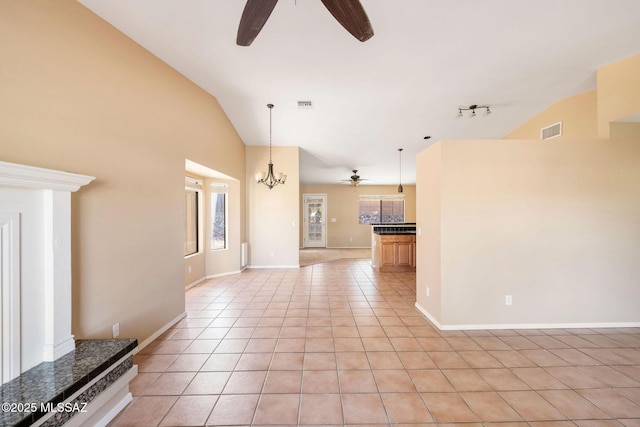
(35, 232)
(16, 175)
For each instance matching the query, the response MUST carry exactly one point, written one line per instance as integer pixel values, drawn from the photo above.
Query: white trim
(56, 257)
(228, 273)
(211, 276)
(195, 283)
(273, 266)
(115, 410)
(345, 247)
(428, 315)
(305, 219)
(57, 350)
(15, 175)
(159, 332)
(10, 290)
(597, 325)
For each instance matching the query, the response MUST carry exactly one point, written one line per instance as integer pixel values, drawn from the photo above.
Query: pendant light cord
(400, 189)
(270, 111)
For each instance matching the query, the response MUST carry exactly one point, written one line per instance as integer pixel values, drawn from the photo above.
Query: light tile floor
(337, 344)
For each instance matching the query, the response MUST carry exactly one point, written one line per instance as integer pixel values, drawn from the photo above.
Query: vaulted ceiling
(426, 59)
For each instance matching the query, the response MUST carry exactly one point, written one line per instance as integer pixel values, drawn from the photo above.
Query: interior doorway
(315, 221)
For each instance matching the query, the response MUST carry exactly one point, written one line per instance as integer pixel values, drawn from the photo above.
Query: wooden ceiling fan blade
(351, 15)
(254, 16)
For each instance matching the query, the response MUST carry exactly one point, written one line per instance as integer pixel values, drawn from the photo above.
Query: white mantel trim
(15, 175)
(56, 187)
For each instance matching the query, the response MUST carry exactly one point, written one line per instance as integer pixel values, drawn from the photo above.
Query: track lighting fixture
(473, 109)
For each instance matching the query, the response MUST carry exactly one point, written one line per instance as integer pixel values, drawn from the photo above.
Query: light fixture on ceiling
(473, 109)
(269, 178)
(400, 189)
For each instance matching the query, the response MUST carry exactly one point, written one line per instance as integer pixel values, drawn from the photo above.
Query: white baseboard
(115, 410)
(159, 332)
(212, 276)
(197, 282)
(428, 315)
(229, 273)
(273, 266)
(595, 325)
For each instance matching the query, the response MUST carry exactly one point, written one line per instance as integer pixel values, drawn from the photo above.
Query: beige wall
(622, 130)
(342, 204)
(557, 226)
(78, 95)
(578, 115)
(428, 230)
(618, 93)
(595, 114)
(273, 214)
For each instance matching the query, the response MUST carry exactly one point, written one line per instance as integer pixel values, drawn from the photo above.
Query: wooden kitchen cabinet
(393, 252)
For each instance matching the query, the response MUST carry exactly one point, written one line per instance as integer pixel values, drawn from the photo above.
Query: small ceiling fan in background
(349, 13)
(355, 179)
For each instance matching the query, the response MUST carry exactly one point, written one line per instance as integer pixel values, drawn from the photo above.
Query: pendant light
(269, 178)
(400, 189)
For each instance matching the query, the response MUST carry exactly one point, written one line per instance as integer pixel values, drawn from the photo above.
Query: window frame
(217, 188)
(194, 186)
(380, 199)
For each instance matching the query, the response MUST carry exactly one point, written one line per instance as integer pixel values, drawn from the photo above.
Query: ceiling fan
(355, 179)
(349, 13)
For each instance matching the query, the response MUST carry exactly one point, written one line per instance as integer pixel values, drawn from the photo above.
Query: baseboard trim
(196, 283)
(494, 326)
(229, 273)
(428, 315)
(115, 411)
(273, 266)
(159, 332)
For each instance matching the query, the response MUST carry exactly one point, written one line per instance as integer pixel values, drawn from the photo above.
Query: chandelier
(269, 178)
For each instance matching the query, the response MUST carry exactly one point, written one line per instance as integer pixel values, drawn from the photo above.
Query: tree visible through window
(381, 209)
(218, 216)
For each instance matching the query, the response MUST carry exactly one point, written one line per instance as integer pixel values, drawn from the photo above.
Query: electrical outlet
(189, 268)
(508, 300)
(116, 329)
(427, 291)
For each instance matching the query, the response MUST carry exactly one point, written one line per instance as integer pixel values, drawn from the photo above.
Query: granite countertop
(392, 232)
(393, 224)
(58, 380)
(395, 229)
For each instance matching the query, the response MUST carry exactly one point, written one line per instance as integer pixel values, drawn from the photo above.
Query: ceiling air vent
(305, 105)
(551, 131)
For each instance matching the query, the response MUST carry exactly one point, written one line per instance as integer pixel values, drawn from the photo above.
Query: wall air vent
(551, 131)
(305, 105)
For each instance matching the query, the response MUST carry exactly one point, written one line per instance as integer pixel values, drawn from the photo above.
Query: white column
(57, 281)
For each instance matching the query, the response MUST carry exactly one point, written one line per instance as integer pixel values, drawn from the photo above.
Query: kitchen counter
(393, 247)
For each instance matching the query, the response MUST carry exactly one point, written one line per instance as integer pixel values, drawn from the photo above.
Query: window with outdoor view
(380, 209)
(218, 216)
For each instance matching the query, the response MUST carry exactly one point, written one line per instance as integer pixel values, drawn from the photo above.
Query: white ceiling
(426, 59)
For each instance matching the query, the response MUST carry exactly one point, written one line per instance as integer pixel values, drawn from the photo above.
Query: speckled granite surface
(56, 381)
(395, 229)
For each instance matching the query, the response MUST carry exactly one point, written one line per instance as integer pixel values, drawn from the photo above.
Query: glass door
(315, 223)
